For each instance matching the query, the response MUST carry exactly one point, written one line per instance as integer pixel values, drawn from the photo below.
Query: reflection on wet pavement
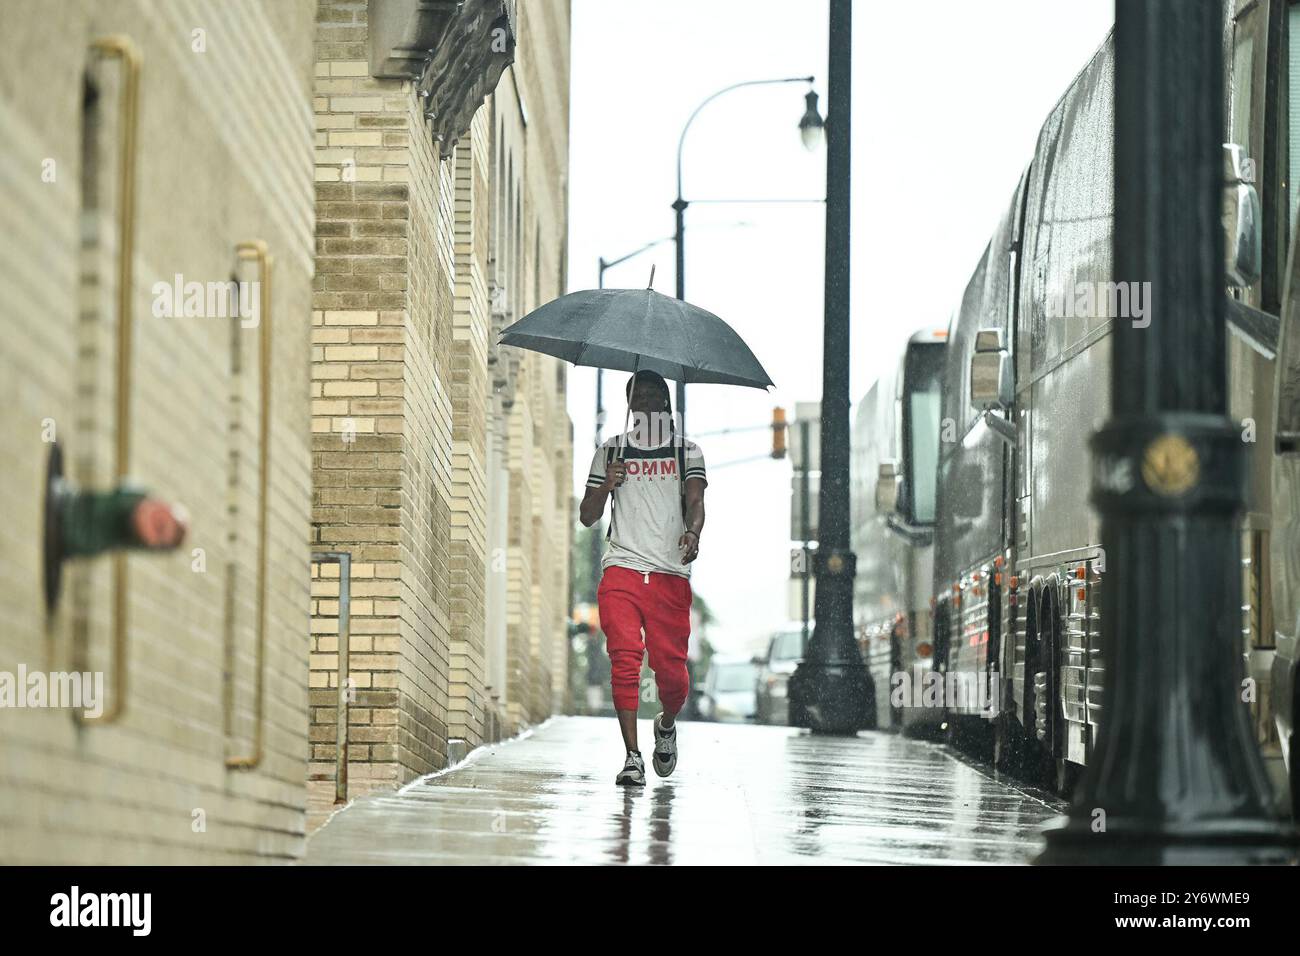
(740, 794)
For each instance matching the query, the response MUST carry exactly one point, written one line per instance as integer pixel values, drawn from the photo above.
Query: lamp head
(812, 129)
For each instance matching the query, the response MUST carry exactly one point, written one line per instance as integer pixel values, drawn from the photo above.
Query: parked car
(784, 651)
(729, 690)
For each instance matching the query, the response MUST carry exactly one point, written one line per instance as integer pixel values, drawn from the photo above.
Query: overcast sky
(946, 109)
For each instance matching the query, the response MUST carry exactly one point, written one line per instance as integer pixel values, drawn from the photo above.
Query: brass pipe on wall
(256, 250)
(122, 48)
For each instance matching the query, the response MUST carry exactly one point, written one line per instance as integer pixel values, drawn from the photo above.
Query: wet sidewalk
(740, 794)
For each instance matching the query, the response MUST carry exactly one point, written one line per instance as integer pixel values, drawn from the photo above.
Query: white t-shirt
(647, 507)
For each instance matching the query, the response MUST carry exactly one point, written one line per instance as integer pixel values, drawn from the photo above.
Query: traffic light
(778, 432)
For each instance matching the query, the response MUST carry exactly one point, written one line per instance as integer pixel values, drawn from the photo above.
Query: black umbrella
(633, 329)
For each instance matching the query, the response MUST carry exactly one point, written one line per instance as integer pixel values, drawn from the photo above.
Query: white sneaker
(633, 772)
(664, 757)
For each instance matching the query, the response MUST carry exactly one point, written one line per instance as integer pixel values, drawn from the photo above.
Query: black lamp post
(831, 691)
(1176, 776)
(810, 126)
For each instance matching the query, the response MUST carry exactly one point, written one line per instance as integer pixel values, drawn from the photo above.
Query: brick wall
(426, 526)
(402, 410)
(542, 73)
(389, 438)
(370, 415)
(530, 122)
(403, 406)
(224, 156)
(470, 409)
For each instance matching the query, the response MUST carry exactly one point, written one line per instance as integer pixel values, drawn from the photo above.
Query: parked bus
(893, 527)
(1018, 562)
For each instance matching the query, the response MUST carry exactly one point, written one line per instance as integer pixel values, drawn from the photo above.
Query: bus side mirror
(991, 382)
(888, 482)
(1242, 218)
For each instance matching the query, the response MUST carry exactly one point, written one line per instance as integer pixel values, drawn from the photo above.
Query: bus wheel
(895, 667)
(973, 736)
(1067, 777)
(1031, 749)
(1295, 784)
(1295, 765)
(1039, 766)
(1009, 744)
(796, 716)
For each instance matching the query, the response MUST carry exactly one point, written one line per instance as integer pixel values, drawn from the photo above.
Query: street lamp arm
(726, 89)
(610, 263)
(806, 201)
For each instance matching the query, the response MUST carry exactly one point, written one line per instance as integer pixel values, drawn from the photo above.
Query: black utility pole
(1176, 775)
(805, 531)
(604, 266)
(600, 372)
(679, 207)
(596, 544)
(831, 691)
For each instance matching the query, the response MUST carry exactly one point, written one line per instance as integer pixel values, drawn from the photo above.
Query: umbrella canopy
(630, 329)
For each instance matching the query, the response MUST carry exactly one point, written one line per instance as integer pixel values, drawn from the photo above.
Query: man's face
(646, 398)
(649, 414)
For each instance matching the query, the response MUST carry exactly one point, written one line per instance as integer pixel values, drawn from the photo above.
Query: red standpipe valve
(81, 523)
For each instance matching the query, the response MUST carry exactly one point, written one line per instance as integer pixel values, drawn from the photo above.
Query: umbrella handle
(628, 412)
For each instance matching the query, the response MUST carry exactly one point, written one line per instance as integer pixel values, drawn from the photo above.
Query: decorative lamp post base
(832, 697)
(1137, 842)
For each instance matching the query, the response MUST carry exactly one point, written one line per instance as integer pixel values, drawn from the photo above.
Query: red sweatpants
(660, 604)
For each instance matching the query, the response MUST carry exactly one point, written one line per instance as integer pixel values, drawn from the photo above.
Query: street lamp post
(831, 691)
(605, 264)
(600, 284)
(810, 130)
(1176, 775)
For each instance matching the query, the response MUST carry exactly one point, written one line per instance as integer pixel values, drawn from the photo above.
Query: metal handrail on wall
(122, 48)
(256, 250)
(344, 561)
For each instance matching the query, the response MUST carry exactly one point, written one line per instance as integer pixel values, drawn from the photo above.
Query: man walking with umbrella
(656, 476)
(656, 480)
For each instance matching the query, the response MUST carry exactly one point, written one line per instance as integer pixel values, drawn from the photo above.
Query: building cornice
(454, 51)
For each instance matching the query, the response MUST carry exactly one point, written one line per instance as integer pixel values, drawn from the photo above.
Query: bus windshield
(921, 427)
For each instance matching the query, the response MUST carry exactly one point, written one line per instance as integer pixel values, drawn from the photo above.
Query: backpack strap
(609, 452)
(681, 475)
(681, 484)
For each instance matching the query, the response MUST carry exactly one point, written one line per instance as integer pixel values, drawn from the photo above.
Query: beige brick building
(222, 156)
(440, 466)
(388, 180)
